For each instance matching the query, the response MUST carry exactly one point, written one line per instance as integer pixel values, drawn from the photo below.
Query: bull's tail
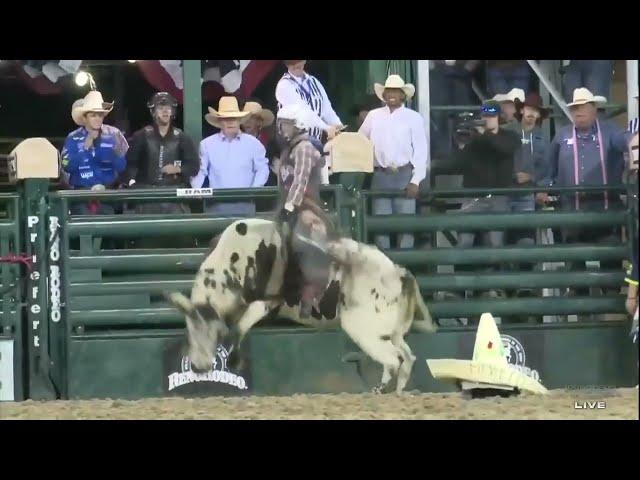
(427, 324)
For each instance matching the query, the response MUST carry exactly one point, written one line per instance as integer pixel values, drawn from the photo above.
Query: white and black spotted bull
(378, 304)
(243, 280)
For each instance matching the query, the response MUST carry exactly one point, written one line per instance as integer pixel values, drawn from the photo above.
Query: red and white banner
(219, 77)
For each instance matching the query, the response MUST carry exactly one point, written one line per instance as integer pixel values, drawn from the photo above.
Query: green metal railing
(427, 259)
(115, 293)
(144, 273)
(11, 286)
(151, 272)
(126, 279)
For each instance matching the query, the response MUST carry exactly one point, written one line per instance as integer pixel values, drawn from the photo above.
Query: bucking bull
(243, 280)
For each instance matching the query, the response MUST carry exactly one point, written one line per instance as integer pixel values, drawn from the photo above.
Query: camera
(466, 124)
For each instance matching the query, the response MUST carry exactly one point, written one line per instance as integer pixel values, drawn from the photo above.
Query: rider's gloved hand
(288, 215)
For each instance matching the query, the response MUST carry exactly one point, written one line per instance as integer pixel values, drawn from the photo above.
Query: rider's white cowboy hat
(489, 367)
(583, 95)
(394, 81)
(227, 108)
(92, 102)
(513, 95)
(254, 108)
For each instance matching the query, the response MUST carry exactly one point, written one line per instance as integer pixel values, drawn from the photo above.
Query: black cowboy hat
(534, 100)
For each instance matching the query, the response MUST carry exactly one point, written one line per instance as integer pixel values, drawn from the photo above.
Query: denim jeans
(385, 180)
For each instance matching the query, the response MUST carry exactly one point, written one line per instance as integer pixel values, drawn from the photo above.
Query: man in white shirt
(297, 86)
(401, 151)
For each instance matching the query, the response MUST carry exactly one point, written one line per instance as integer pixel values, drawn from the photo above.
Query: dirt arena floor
(559, 404)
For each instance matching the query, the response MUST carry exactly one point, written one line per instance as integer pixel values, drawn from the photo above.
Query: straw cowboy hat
(227, 108)
(394, 81)
(92, 102)
(488, 367)
(532, 100)
(513, 95)
(582, 96)
(254, 108)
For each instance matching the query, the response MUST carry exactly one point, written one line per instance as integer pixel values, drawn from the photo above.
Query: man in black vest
(161, 155)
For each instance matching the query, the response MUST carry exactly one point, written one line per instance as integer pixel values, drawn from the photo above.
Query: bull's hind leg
(255, 312)
(384, 352)
(404, 373)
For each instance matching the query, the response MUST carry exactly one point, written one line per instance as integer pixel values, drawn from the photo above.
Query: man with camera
(485, 156)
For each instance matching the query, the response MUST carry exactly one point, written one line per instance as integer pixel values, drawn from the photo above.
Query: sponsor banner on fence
(181, 380)
(522, 349)
(194, 192)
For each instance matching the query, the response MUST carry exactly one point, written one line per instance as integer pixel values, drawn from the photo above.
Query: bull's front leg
(255, 312)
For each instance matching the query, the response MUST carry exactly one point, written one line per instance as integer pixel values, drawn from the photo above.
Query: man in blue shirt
(588, 152)
(94, 154)
(231, 159)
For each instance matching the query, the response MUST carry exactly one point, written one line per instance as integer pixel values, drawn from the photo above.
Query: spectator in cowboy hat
(258, 119)
(93, 155)
(257, 124)
(595, 75)
(401, 151)
(231, 158)
(588, 152)
(361, 109)
(507, 103)
(529, 167)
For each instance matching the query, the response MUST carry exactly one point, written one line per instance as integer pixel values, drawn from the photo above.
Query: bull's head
(205, 330)
(204, 336)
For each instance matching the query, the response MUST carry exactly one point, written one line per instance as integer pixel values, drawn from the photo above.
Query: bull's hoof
(235, 360)
(382, 388)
